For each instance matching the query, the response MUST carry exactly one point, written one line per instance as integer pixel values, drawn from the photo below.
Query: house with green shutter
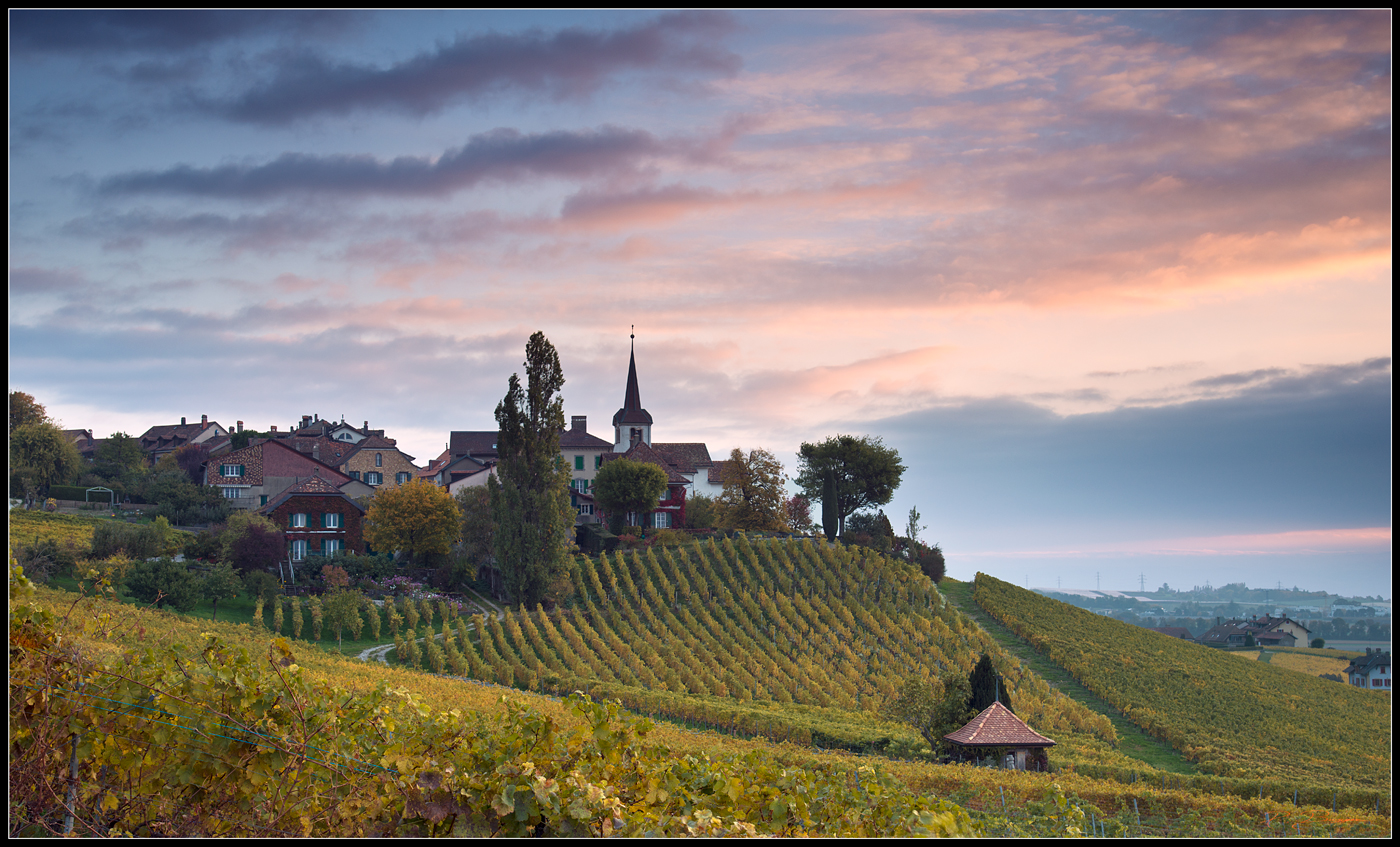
(252, 476)
(318, 519)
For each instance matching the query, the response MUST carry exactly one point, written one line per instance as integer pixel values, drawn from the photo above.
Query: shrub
(138, 542)
(670, 538)
(165, 582)
(48, 558)
(262, 584)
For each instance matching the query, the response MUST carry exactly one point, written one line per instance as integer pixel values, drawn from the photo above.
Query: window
(331, 520)
(232, 493)
(663, 520)
(298, 550)
(585, 509)
(578, 463)
(330, 546)
(355, 475)
(597, 461)
(379, 460)
(374, 477)
(401, 477)
(231, 470)
(299, 520)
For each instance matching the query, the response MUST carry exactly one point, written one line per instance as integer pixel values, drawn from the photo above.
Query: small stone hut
(995, 726)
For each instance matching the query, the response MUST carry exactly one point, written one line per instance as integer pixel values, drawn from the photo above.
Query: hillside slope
(1233, 717)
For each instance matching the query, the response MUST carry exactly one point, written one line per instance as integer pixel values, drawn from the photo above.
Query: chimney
(204, 420)
(182, 421)
(580, 424)
(366, 429)
(305, 421)
(273, 428)
(240, 426)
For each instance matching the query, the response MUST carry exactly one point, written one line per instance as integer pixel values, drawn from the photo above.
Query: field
(1240, 719)
(998, 802)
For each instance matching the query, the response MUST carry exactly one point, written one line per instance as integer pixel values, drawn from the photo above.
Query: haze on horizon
(1115, 284)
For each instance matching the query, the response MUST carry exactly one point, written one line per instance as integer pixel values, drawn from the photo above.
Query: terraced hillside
(1231, 716)
(789, 639)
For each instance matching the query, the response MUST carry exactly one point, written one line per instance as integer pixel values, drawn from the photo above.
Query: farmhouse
(1371, 671)
(1268, 631)
(997, 727)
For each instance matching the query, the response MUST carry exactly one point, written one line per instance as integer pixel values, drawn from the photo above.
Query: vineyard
(213, 740)
(1236, 718)
(32, 527)
(789, 640)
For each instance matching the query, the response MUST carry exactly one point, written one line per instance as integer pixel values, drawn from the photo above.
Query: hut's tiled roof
(995, 726)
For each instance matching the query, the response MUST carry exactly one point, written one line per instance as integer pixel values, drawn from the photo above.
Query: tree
(25, 410)
(120, 457)
(985, 687)
(41, 456)
(799, 514)
(418, 518)
(253, 542)
(753, 497)
(1318, 643)
(866, 472)
(181, 501)
(221, 582)
(624, 485)
(341, 610)
(830, 521)
(478, 523)
(911, 533)
(701, 512)
(530, 492)
(191, 458)
(934, 707)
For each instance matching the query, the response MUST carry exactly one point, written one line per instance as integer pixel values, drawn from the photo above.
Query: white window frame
(298, 549)
(231, 471)
(232, 492)
(374, 478)
(332, 520)
(331, 546)
(299, 520)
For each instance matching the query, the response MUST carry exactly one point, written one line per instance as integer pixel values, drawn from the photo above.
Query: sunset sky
(1115, 285)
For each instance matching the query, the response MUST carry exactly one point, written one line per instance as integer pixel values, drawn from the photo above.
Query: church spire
(631, 423)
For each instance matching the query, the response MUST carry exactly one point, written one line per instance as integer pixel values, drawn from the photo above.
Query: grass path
(1132, 740)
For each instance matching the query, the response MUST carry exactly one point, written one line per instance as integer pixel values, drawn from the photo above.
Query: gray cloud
(1235, 379)
(87, 31)
(1309, 449)
(562, 64)
(499, 155)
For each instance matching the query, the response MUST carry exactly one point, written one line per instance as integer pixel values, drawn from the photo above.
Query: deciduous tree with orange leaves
(418, 518)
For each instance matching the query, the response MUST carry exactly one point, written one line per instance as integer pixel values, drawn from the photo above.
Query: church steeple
(632, 423)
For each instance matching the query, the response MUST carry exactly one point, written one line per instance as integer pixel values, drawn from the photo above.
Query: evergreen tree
(530, 492)
(830, 517)
(985, 686)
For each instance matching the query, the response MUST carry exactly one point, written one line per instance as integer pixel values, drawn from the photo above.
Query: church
(688, 466)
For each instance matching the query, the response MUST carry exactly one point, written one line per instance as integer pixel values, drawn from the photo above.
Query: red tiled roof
(997, 727)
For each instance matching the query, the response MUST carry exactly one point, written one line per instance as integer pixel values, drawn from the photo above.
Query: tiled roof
(477, 443)
(314, 486)
(997, 727)
(716, 475)
(581, 440)
(643, 452)
(692, 454)
(1173, 631)
(1364, 664)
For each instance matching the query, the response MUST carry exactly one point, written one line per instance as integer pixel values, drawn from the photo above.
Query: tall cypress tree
(984, 685)
(530, 492)
(830, 517)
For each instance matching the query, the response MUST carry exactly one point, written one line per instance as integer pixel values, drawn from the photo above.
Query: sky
(1115, 285)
